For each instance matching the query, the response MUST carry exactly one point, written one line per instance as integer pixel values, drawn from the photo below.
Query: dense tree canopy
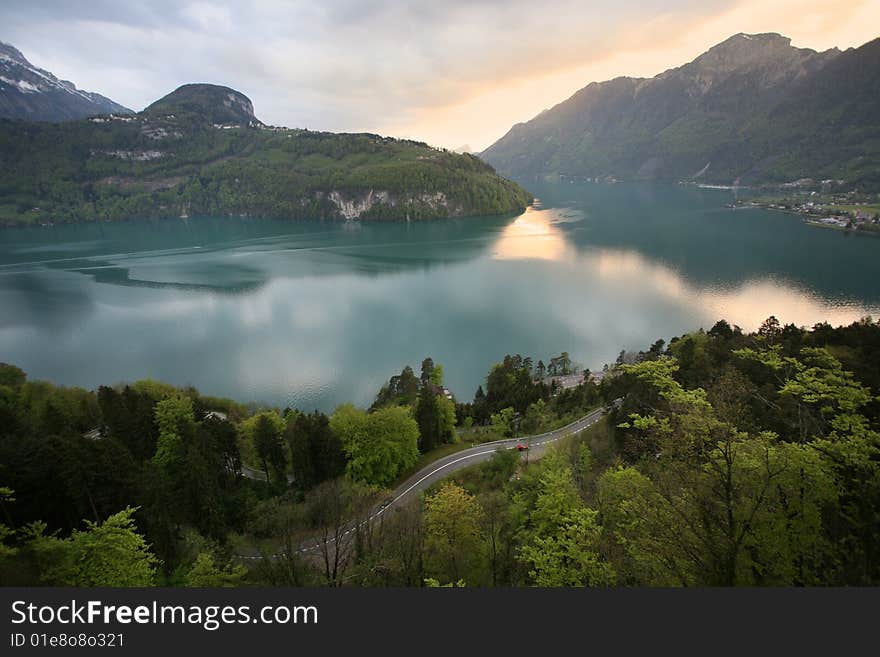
(172, 165)
(725, 458)
(379, 445)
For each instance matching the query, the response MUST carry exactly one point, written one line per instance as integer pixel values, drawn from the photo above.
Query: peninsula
(201, 151)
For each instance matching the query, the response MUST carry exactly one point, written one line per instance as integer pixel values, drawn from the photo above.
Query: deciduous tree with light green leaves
(535, 417)
(729, 508)
(453, 534)
(206, 572)
(174, 417)
(561, 546)
(379, 445)
(437, 375)
(503, 422)
(828, 417)
(111, 553)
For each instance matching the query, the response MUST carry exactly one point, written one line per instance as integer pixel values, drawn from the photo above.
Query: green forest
(725, 458)
(166, 166)
(753, 110)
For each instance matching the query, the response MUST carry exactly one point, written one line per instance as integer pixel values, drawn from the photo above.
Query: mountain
(32, 94)
(217, 104)
(752, 109)
(201, 151)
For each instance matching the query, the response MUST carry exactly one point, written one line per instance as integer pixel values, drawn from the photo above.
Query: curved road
(445, 466)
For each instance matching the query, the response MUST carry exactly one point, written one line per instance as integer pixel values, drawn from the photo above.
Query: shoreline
(808, 218)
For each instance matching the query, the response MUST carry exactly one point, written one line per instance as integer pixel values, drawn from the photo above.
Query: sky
(450, 72)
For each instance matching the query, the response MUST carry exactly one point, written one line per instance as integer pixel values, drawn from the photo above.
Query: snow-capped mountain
(32, 94)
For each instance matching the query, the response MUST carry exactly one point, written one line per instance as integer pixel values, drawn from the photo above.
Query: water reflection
(41, 301)
(533, 234)
(747, 304)
(230, 280)
(315, 315)
(537, 234)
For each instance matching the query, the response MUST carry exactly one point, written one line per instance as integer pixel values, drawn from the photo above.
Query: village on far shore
(851, 210)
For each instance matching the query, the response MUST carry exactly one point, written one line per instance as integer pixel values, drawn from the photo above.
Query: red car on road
(521, 447)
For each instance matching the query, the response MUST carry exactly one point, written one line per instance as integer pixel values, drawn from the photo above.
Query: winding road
(445, 466)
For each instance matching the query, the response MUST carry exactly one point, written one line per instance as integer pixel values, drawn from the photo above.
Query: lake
(310, 315)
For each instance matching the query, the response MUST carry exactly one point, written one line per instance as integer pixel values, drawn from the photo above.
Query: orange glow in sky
(449, 72)
(643, 50)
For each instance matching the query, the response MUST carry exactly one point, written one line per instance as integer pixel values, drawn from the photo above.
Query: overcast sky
(450, 72)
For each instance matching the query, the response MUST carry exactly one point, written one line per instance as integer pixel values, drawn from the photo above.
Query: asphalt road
(445, 466)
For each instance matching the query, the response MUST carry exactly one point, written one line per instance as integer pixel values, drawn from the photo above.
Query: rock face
(356, 206)
(215, 104)
(32, 94)
(728, 115)
(353, 206)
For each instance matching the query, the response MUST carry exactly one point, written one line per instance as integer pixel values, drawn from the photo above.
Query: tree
(427, 370)
(497, 531)
(11, 376)
(174, 418)
(569, 557)
(200, 484)
(827, 415)
(435, 415)
(379, 445)
(280, 524)
(692, 355)
(560, 365)
(770, 329)
(446, 419)
(390, 548)
(333, 509)
(269, 447)
(503, 422)
(536, 416)
(721, 329)
(401, 390)
(111, 553)
(728, 508)
(6, 532)
(453, 536)
(560, 535)
(224, 438)
(129, 417)
(316, 451)
(206, 573)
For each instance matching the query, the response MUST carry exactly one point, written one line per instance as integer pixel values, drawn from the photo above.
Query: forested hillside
(726, 458)
(751, 110)
(201, 151)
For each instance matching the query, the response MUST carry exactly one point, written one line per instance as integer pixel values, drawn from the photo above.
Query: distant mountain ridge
(32, 94)
(750, 109)
(201, 150)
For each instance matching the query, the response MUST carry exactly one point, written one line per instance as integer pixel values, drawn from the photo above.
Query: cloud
(450, 72)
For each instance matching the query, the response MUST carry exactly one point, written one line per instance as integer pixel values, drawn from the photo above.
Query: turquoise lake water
(311, 315)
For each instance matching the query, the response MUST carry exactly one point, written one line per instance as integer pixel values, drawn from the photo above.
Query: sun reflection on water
(536, 235)
(532, 235)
